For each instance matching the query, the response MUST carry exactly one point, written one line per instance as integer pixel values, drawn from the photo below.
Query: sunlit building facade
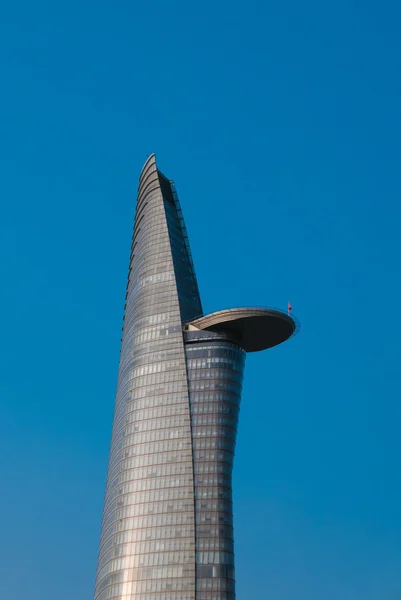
(167, 530)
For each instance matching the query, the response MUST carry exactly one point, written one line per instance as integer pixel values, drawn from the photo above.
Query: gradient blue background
(280, 123)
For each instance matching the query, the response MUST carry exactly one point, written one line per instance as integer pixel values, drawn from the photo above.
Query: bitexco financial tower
(167, 530)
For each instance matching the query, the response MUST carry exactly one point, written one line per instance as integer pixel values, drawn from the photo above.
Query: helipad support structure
(167, 531)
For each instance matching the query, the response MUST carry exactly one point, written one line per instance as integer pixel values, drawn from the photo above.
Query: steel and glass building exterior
(167, 530)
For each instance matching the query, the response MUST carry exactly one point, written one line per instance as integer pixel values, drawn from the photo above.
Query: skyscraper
(167, 531)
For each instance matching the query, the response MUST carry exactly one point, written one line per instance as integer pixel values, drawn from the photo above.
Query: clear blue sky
(280, 123)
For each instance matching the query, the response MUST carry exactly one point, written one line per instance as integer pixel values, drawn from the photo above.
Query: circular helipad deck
(254, 328)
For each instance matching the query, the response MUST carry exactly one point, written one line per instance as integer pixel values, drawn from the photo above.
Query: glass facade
(215, 371)
(147, 547)
(167, 529)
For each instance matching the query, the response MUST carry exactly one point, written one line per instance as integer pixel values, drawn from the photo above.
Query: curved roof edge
(255, 329)
(151, 158)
